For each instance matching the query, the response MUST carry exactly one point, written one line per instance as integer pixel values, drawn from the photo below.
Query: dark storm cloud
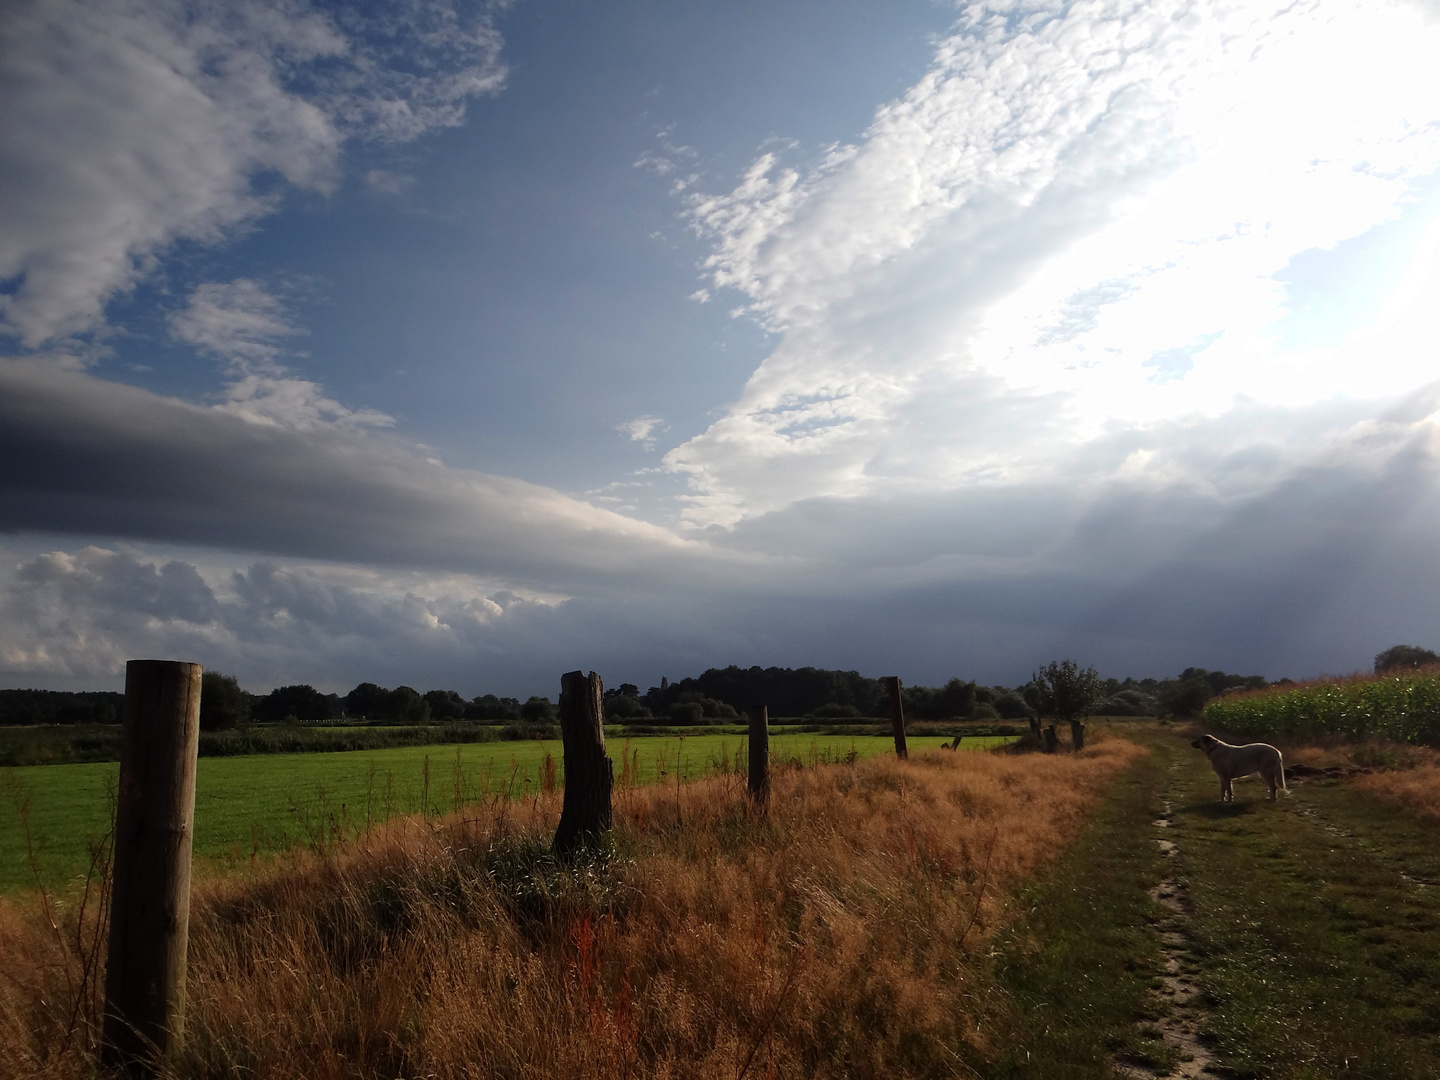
(83, 456)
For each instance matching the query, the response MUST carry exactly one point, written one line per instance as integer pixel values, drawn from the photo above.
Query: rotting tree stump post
(150, 893)
(759, 777)
(1077, 735)
(589, 775)
(897, 715)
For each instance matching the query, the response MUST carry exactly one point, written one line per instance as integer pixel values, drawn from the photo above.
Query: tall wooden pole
(150, 897)
(589, 774)
(760, 755)
(897, 715)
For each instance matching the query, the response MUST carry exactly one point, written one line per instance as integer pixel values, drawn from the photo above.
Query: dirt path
(1298, 937)
(1184, 1016)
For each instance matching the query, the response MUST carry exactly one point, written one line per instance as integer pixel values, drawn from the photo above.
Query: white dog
(1233, 762)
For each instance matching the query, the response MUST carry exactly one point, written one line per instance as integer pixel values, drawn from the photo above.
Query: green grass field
(265, 803)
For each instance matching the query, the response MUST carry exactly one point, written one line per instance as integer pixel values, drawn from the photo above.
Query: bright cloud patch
(1074, 222)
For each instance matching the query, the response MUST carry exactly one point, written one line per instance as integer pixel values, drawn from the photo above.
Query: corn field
(1400, 706)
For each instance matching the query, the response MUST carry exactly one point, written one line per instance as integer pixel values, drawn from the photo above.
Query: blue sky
(462, 345)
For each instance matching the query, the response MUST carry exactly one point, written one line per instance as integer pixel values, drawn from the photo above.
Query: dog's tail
(1283, 786)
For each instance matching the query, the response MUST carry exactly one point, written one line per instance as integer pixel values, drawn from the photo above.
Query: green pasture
(255, 805)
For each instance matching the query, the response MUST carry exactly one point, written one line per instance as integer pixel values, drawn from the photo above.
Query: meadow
(845, 933)
(250, 807)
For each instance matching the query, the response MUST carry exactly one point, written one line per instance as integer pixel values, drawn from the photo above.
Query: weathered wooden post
(1077, 735)
(760, 755)
(956, 744)
(1052, 741)
(589, 774)
(150, 894)
(897, 715)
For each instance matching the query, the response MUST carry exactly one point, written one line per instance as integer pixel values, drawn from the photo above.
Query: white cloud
(245, 326)
(386, 182)
(1069, 202)
(238, 321)
(127, 125)
(643, 429)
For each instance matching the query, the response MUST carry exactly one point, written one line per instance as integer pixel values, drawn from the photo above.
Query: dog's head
(1205, 742)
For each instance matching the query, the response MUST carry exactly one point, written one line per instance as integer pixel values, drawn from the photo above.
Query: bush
(987, 711)
(1404, 656)
(836, 712)
(1011, 706)
(686, 712)
(1128, 703)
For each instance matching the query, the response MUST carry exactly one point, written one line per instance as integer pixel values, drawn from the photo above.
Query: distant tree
(301, 703)
(1065, 690)
(1187, 695)
(624, 706)
(956, 698)
(368, 702)
(222, 703)
(490, 707)
(445, 705)
(1068, 692)
(406, 706)
(538, 710)
(1404, 656)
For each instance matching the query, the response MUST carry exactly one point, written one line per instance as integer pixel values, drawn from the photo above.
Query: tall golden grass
(843, 934)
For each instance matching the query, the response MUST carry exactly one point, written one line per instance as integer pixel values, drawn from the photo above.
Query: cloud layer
(131, 125)
(85, 456)
(1070, 225)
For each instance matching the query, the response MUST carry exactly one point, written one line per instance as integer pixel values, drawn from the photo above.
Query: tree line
(717, 695)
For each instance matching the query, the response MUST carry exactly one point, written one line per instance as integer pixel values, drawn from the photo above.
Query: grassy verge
(1080, 964)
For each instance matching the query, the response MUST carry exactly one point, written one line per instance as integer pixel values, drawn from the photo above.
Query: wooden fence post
(760, 755)
(897, 715)
(589, 774)
(1077, 735)
(150, 894)
(1052, 741)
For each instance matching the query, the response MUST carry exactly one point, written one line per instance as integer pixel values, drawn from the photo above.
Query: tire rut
(1183, 1014)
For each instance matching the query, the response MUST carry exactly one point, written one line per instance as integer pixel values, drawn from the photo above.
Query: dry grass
(844, 934)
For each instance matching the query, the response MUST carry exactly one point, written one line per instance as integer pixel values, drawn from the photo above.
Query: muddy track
(1183, 1015)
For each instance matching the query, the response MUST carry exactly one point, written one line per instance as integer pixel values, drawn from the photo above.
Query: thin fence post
(897, 716)
(589, 775)
(150, 895)
(1077, 735)
(760, 755)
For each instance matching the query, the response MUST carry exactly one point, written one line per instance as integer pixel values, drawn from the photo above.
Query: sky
(458, 345)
